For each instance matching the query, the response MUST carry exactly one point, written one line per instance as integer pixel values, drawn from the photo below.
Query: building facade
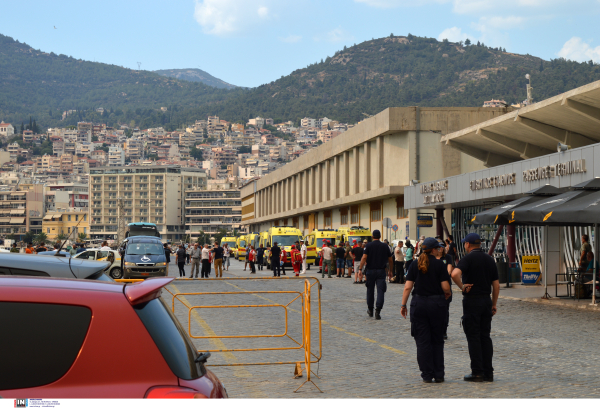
(140, 194)
(66, 222)
(358, 179)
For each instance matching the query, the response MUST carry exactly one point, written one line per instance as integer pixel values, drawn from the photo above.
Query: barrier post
(307, 336)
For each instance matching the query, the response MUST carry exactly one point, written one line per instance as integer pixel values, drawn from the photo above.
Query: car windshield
(145, 248)
(286, 240)
(320, 241)
(359, 238)
(242, 243)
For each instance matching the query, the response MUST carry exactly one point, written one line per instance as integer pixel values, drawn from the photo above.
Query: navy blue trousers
(428, 318)
(477, 324)
(376, 278)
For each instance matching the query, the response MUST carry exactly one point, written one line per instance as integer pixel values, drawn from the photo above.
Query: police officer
(429, 278)
(479, 279)
(377, 256)
(448, 261)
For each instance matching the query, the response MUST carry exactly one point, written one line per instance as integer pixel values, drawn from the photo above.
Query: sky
(252, 42)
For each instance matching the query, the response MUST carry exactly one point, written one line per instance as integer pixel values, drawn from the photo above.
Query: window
(65, 327)
(375, 210)
(76, 217)
(68, 230)
(276, 223)
(354, 216)
(401, 212)
(47, 230)
(344, 215)
(327, 219)
(69, 217)
(296, 222)
(305, 221)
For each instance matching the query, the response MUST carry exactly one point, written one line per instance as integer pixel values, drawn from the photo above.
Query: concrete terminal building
(358, 178)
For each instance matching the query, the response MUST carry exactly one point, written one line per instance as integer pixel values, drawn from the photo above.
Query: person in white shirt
(205, 272)
(226, 253)
(303, 252)
(105, 246)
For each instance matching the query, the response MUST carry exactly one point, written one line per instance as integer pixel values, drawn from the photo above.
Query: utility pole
(121, 225)
(139, 65)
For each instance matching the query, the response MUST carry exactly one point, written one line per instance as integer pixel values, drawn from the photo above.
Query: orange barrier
(305, 344)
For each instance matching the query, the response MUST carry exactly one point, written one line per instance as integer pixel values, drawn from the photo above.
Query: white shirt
(105, 248)
(303, 251)
(205, 253)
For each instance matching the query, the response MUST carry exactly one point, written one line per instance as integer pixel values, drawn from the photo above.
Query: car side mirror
(202, 357)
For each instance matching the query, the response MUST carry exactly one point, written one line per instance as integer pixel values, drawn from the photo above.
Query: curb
(582, 304)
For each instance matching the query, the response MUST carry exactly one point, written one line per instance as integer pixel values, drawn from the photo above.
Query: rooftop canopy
(572, 118)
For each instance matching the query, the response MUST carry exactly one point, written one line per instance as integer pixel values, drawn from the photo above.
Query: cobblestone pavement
(539, 351)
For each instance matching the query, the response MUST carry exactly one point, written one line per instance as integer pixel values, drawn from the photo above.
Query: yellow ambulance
(231, 243)
(240, 249)
(314, 244)
(285, 238)
(354, 233)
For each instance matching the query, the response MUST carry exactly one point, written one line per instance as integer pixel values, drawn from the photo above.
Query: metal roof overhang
(572, 118)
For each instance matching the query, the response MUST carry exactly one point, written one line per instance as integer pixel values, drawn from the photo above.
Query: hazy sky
(251, 42)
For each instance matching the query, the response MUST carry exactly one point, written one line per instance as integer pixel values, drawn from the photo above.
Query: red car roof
(58, 283)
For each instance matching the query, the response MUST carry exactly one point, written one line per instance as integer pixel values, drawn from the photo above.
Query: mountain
(364, 78)
(195, 75)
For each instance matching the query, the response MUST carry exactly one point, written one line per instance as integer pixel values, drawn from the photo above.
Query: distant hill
(195, 75)
(367, 77)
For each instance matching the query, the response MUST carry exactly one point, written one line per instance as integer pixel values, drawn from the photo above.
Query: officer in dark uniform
(479, 279)
(429, 278)
(448, 261)
(377, 256)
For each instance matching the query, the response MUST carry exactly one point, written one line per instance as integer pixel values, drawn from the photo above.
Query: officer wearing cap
(477, 276)
(428, 280)
(376, 256)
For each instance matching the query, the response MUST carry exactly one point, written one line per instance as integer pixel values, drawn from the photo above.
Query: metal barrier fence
(303, 296)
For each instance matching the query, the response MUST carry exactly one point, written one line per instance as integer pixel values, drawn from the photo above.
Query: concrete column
(379, 164)
(336, 177)
(412, 154)
(300, 189)
(367, 170)
(553, 258)
(319, 183)
(294, 193)
(439, 215)
(306, 187)
(355, 154)
(327, 180)
(511, 249)
(346, 185)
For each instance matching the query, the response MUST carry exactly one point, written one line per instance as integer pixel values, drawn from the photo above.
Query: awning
(536, 213)
(17, 220)
(583, 210)
(4, 220)
(21, 211)
(47, 217)
(500, 215)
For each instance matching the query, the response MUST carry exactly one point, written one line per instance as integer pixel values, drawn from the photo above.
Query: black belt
(430, 296)
(475, 296)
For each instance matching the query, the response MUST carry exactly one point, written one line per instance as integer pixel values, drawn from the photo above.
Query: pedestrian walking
(168, 253)
(410, 251)
(14, 249)
(327, 255)
(398, 263)
(180, 256)
(446, 258)
(429, 279)
(275, 259)
(283, 260)
(348, 259)
(357, 253)
(303, 253)
(376, 256)
(81, 248)
(29, 249)
(340, 259)
(196, 256)
(205, 262)
(218, 260)
(260, 253)
(226, 256)
(296, 259)
(418, 246)
(452, 250)
(477, 276)
(188, 250)
(251, 258)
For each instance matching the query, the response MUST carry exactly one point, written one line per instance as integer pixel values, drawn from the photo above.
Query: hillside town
(56, 174)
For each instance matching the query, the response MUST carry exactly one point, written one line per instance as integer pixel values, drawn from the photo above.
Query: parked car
(144, 257)
(96, 254)
(63, 254)
(79, 363)
(53, 267)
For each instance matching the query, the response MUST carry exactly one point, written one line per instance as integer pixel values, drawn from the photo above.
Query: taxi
(314, 244)
(95, 254)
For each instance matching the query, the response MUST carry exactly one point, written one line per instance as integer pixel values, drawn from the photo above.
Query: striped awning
(17, 220)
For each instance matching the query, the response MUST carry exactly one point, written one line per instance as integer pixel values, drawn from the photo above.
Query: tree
(220, 234)
(467, 42)
(82, 236)
(11, 236)
(50, 113)
(203, 238)
(244, 149)
(41, 237)
(29, 237)
(21, 159)
(61, 237)
(196, 153)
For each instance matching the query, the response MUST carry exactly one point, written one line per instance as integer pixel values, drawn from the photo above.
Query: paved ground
(540, 351)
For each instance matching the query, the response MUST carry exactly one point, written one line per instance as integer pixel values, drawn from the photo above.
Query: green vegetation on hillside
(368, 77)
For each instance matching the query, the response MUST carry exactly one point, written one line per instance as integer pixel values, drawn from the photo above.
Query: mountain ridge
(196, 75)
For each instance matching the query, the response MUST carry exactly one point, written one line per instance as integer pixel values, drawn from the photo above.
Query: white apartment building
(146, 193)
(135, 148)
(116, 156)
(66, 195)
(257, 121)
(308, 122)
(213, 208)
(84, 148)
(6, 129)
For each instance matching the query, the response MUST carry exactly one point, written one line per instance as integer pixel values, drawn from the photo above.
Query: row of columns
(324, 181)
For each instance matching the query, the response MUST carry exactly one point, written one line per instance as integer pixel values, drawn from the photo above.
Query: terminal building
(358, 178)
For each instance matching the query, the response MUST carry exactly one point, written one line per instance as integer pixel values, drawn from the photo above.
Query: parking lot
(539, 350)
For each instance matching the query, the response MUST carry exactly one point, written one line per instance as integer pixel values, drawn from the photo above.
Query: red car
(64, 338)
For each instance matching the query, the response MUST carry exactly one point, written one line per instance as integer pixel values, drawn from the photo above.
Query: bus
(137, 229)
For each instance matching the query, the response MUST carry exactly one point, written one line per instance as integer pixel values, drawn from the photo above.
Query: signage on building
(495, 181)
(531, 263)
(555, 170)
(424, 221)
(433, 188)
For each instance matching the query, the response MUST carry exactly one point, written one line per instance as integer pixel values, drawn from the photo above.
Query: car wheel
(116, 273)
